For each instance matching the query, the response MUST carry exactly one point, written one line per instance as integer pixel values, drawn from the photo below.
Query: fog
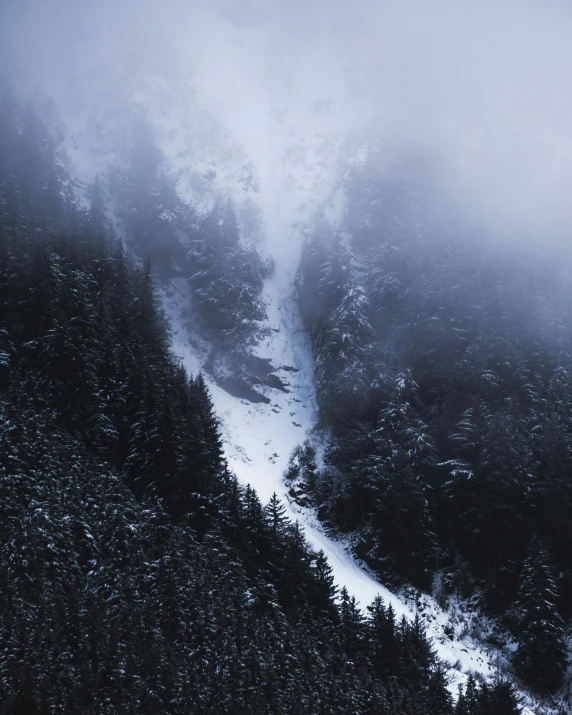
(277, 96)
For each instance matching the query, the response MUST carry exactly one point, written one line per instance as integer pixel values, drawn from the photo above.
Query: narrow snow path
(259, 439)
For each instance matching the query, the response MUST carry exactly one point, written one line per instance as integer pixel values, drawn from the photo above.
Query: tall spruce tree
(541, 655)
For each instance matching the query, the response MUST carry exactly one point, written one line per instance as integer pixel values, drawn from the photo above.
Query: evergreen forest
(443, 365)
(136, 574)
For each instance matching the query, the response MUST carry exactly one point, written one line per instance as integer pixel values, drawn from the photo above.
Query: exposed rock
(239, 388)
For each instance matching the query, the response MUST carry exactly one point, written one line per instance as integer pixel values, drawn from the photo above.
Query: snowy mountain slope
(260, 438)
(280, 149)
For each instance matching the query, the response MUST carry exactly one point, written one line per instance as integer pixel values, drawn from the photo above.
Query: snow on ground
(259, 439)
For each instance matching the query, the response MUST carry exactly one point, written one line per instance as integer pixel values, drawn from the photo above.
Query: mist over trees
(395, 175)
(204, 246)
(136, 574)
(443, 363)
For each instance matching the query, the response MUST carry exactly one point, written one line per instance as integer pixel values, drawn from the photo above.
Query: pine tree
(469, 701)
(321, 283)
(541, 656)
(147, 201)
(351, 629)
(295, 582)
(323, 591)
(344, 369)
(383, 646)
(212, 466)
(276, 519)
(500, 699)
(225, 278)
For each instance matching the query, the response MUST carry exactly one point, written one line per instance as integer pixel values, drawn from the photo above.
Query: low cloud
(487, 85)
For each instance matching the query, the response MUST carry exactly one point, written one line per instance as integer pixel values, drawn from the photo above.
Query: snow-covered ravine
(259, 439)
